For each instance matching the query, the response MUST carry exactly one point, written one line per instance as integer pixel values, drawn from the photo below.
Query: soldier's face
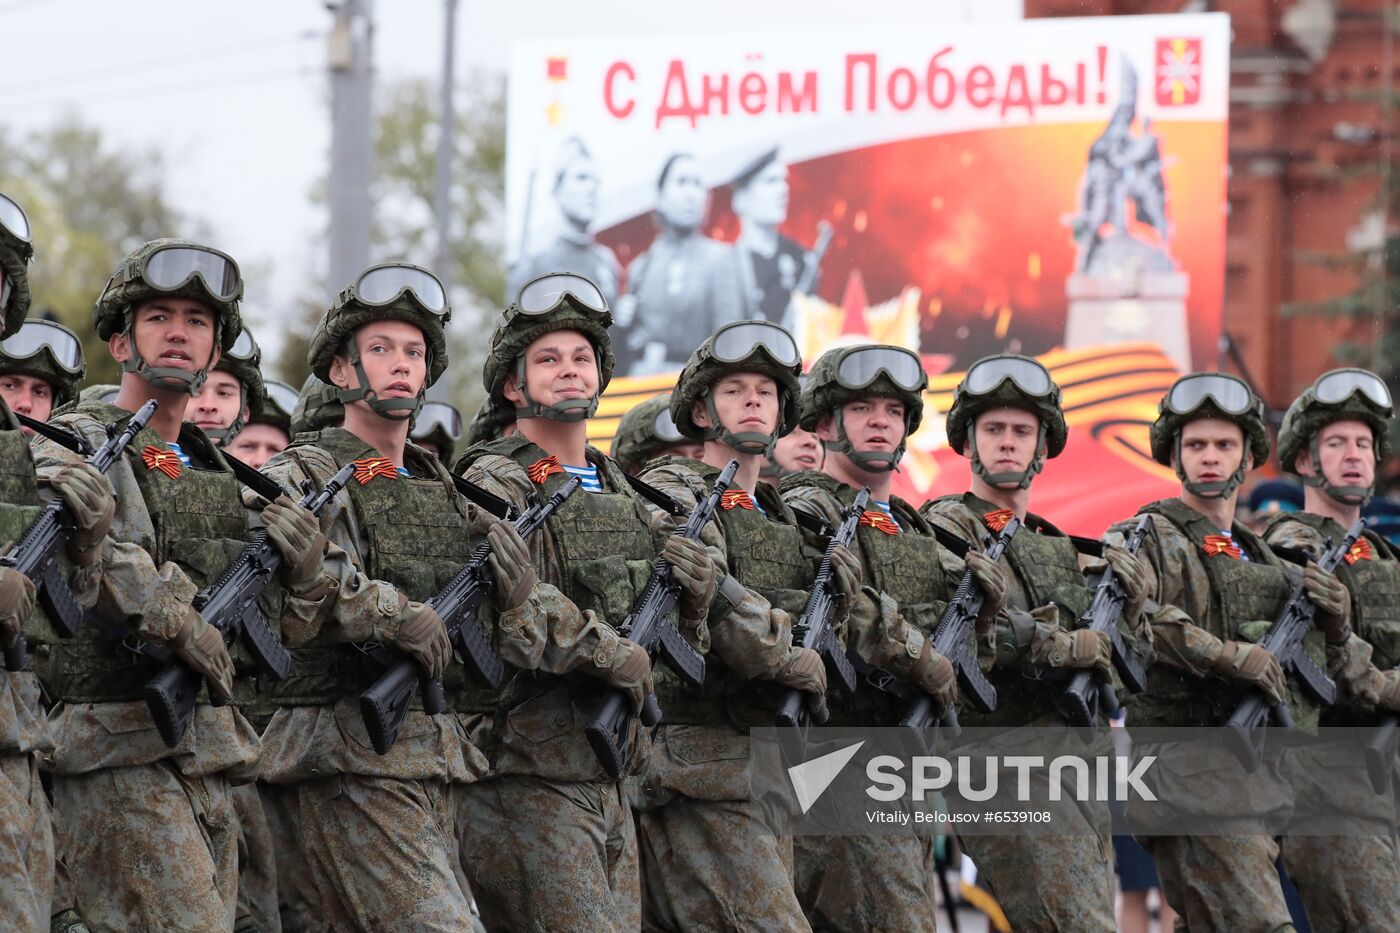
(872, 424)
(395, 357)
(1006, 439)
(765, 199)
(799, 450)
(694, 451)
(218, 402)
(1348, 453)
(681, 200)
(745, 402)
(171, 333)
(1211, 450)
(258, 443)
(559, 365)
(28, 395)
(577, 191)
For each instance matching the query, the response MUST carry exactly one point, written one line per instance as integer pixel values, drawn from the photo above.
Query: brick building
(1310, 130)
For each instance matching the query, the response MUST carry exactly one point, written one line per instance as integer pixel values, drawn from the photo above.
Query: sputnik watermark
(1090, 778)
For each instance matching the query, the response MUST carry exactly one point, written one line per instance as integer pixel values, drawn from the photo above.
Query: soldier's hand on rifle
(419, 631)
(805, 671)
(845, 579)
(1332, 600)
(201, 646)
(1128, 570)
(16, 602)
(1056, 648)
(90, 502)
(511, 566)
(694, 572)
(991, 580)
(934, 675)
(628, 668)
(296, 533)
(1253, 665)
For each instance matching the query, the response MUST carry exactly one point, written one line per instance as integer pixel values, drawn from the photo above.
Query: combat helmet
(49, 351)
(1339, 395)
(176, 268)
(739, 347)
(645, 431)
(318, 407)
(389, 291)
(278, 403)
(242, 361)
(557, 301)
(99, 392)
(16, 249)
(845, 374)
(1209, 395)
(1008, 380)
(489, 421)
(439, 424)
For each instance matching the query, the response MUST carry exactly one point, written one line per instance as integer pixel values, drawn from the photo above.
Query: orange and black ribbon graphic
(735, 497)
(997, 518)
(1221, 544)
(876, 518)
(1361, 550)
(370, 467)
(542, 469)
(167, 461)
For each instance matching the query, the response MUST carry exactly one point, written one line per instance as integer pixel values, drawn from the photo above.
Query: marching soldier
(437, 429)
(232, 394)
(491, 421)
(269, 429)
(40, 368)
(647, 432)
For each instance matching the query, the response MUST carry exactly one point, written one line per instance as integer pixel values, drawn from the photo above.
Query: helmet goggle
(282, 396)
(382, 285)
(986, 376)
(5, 289)
(172, 267)
(13, 218)
(243, 349)
(1232, 396)
(36, 336)
(542, 295)
(665, 429)
(1339, 385)
(736, 342)
(438, 415)
(862, 366)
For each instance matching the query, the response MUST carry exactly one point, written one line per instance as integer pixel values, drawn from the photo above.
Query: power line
(166, 88)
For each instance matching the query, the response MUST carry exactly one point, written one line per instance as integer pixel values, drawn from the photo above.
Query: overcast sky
(234, 94)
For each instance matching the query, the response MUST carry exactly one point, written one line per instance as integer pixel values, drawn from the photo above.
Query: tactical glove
(626, 666)
(1253, 665)
(419, 632)
(845, 578)
(201, 647)
(90, 502)
(1129, 573)
(1332, 600)
(696, 574)
(1056, 648)
(296, 533)
(511, 566)
(991, 580)
(16, 602)
(934, 675)
(805, 671)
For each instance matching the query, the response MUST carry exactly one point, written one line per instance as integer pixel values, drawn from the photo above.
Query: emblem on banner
(1178, 72)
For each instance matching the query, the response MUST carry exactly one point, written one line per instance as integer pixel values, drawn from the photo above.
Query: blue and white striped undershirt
(589, 475)
(180, 452)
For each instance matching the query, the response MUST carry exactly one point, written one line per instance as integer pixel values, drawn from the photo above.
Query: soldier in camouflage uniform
(145, 832)
(40, 368)
(318, 407)
(549, 840)
(269, 429)
(437, 429)
(232, 394)
(1334, 437)
(707, 860)
(26, 836)
(1216, 588)
(1006, 418)
(647, 432)
(491, 421)
(863, 403)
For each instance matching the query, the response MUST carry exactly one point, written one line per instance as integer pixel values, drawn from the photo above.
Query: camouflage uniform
(636, 440)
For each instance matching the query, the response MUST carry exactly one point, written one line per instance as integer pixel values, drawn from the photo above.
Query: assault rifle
(950, 640)
(1091, 691)
(1245, 730)
(816, 626)
(385, 705)
(36, 553)
(650, 626)
(1380, 751)
(230, 605)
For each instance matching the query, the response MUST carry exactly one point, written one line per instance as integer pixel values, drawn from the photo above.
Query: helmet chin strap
(745, 442)
(167, 378)
(872, 461)
(221, 436)
(568, 411)
(1022, 478)
(1351, 496)
(1215, 489)
(394, 409)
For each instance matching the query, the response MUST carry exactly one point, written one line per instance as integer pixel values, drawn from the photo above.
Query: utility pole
(349, 59)
(442, 181)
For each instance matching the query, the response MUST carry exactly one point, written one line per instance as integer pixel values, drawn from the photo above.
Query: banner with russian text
(1049, 187)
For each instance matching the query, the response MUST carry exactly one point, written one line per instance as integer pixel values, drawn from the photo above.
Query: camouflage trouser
(867, 882)
(378, 852)
(1348, 883)
(147, 848)
(1062, 884)
(707, 865)
(296, 901)
(26, 846)
(1221, 882)
(257, 865)
(549, 855)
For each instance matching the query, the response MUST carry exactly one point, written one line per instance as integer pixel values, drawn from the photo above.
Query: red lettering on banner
(1018, 92)
(675, 81)
(806, 99)
(902, 99)
(714, 88)
(624, 110)
(981, 86)
(753, 93)
(937, 73)
(868, 60)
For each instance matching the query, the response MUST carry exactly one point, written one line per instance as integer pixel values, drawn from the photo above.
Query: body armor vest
(415, 529)
(200, 524)
(20, 506)
(1245, 597)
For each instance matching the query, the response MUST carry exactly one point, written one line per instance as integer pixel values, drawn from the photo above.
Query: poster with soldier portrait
(1051, 187)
